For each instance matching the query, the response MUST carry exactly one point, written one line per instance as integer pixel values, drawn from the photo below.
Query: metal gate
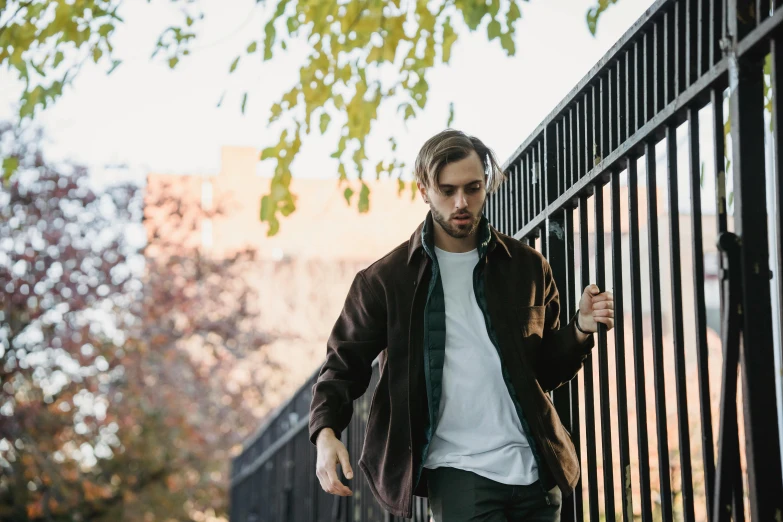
(573, 192)
(655, 415)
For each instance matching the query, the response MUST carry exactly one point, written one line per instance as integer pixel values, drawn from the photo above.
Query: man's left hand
(596, 307)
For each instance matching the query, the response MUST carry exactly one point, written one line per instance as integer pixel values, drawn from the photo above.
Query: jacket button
(409, 448)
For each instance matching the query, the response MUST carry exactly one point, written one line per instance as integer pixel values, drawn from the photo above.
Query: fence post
(746, 105)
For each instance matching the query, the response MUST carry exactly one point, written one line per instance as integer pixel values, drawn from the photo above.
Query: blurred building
(303, 273)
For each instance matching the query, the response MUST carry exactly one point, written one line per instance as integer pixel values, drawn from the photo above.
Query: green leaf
(409, 111)
(173, 61)
(324, 123)
(269, 152)
(244, 102)
(234, 65)
(451, 115)
(414, 190)
(449, 37)
(364, 199)
(507, 43)
(513, 13)
(105, 29)
(189, 21)
(10, 164)
(266, 208)
(375, 55)
(252, 47)
(493, 29)
(220, 101)
(592, 19)
(274, 227)
(269, 39)
(347, 195)
(114, 65)
(58, 58)
(96, 54)
(400, 187)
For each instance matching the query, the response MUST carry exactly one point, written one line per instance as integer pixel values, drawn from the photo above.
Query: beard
(453, 229)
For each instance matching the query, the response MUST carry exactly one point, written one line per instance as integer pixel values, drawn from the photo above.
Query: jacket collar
(423, 238)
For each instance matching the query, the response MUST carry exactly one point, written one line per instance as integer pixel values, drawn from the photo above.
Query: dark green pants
(457, 495)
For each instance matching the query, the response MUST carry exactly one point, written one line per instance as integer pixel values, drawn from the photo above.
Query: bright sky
(151, 118)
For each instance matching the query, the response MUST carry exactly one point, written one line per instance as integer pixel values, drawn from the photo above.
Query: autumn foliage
(119, 347)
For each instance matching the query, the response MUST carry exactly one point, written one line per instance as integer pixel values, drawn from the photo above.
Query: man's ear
(422, 191)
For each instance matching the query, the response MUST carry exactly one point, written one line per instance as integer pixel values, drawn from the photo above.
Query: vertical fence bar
(621, 94)
(630, 98)
(587, 130)
(573, 385)
(604, 145)
(640, 78)
(613, 120)
(746, 104)
(535, 154)
(649, 73)
(570, 152)
(670, 50)
(619, 344)
(677, 318)
(524, 191)
(578, 139)
(703, 17)
(692, 41)
(507, 208)
(520, 208)
(592, 110)
(542, 165)
(777, 119)
(656, 72)
(681, 57)
(511, 181)
(638, 342)
(557, 257)
(708, 454)
(559, 145)
(551, 170)
(592, 464)
(529, 198)
(603, 361)
(657, 334)
(499, 207)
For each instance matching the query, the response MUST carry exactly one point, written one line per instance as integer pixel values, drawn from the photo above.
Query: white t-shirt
(478, 428)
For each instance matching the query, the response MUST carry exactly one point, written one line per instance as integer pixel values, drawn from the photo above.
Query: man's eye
(448, 192)
(473, 189)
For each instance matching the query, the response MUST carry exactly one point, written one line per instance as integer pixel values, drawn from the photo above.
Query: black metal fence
(694, 260)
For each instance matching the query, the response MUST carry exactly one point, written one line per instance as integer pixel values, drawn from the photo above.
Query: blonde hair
(449, 146)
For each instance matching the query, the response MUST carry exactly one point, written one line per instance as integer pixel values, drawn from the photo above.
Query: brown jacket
(384, 315)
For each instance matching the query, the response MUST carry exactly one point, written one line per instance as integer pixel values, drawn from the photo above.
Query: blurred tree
(119, 399)
(361, 53)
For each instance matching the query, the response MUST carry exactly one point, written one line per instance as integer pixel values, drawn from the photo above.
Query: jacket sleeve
(562, 355)
(357, 338)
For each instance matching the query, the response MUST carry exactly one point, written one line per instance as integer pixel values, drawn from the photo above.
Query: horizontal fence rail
(658, 177)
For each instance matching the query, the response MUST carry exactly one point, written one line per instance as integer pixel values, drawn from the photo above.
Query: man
(466, 323)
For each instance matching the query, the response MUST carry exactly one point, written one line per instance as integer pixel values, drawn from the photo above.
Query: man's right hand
(330, 451)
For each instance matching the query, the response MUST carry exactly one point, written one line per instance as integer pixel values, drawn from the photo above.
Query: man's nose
(461, 201)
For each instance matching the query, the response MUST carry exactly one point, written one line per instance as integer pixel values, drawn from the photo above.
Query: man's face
(457, 207)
